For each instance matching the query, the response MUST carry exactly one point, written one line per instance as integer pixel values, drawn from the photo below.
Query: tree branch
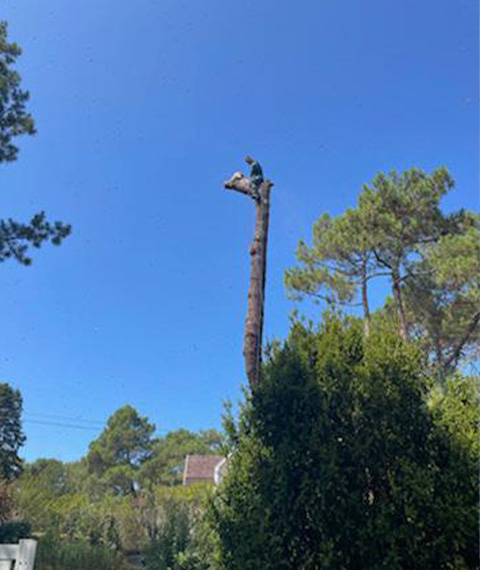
(374, 275)
(453, 358)
(380, 260)
(239, 183)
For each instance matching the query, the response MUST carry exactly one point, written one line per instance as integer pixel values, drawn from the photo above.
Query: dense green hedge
(52, 554)
(12, 532)
(339, 463)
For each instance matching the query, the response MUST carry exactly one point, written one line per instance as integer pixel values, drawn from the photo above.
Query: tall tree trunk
(439, 353)
(366, 308)
(398, 296)
(252, 350)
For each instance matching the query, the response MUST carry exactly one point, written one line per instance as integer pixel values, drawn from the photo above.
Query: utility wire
(66, 418)
(60, 424)
(69, 424)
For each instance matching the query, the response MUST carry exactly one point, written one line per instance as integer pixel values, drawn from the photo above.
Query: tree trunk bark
(398, 296)
(252, 350)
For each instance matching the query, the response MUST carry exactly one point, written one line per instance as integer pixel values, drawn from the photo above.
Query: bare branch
(239, 183)
(456, 354)
(380, 260)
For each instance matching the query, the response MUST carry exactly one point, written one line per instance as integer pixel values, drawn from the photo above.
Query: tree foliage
(337, 265)
(14, 117)
(17, 237)
(443, 299)
(118, 495)
(340, 464)
(182, 539)
(42, 483)
(331, 269)
(117, 455)
(11, 432)
(431, 259)
(165, 521)
(166, 464)
(455, 406)
(54, 554)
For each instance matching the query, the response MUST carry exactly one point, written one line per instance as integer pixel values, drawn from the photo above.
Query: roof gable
(200, 468)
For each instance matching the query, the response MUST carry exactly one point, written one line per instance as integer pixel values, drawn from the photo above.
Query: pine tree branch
(380, 260)
(454, 357)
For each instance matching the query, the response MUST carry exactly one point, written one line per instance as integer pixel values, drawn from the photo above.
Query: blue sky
(143, 109)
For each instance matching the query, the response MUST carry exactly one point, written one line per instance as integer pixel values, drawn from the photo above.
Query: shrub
(340, 465)
(181, 538)
(13, 531)
(53, 554)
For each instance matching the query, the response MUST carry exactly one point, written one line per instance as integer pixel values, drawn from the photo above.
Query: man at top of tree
(256, 173)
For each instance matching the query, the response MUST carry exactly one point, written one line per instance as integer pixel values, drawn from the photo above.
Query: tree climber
(256, 175)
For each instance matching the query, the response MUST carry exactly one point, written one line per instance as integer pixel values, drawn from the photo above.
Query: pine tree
(117, 455)
(398, 230)
(17, 237)
(11, 432)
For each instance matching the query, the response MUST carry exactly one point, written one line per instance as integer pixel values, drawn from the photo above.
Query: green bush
(172, 539)
(12, 532)
(339, 464)
(53, 554)
(181, 539)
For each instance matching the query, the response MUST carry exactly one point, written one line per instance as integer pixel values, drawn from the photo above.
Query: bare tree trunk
(252, 350)
(366, 308)
(398, 295)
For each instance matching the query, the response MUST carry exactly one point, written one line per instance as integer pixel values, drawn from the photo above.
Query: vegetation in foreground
(345, 459)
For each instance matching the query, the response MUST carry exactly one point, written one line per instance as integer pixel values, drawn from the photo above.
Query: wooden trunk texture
(252, 350)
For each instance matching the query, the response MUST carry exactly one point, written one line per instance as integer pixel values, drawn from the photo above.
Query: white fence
(19, 556)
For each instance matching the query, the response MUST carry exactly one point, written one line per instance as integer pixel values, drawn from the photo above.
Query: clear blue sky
(143, 109)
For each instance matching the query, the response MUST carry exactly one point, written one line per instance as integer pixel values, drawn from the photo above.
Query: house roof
(201, 467)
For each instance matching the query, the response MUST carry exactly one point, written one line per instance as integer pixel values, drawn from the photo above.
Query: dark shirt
(256, 174)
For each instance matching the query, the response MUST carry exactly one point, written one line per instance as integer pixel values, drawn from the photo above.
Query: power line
(71, 425)
(60, 424)
(64, 418)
